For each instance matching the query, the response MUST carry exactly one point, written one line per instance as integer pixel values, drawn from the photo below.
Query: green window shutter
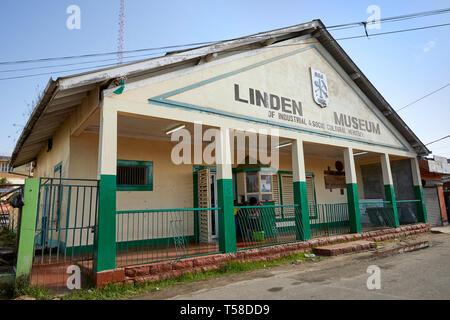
(311, 192)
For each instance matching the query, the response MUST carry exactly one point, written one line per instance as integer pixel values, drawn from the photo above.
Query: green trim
(280, 188)
(27, 227)
(256, 169)
(331, 225)
(390, 196)
(126, 244)
(134, 163)
(105, 237)
(165, 210)
(421, 209)
(308, 174)
(162, 100)
(301, 198)
(353, 208)
(227, 224)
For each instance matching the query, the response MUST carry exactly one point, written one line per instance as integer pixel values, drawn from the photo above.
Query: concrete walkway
(444, 229)
(422, 274)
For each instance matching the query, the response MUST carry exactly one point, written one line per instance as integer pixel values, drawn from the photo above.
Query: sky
(403, 66)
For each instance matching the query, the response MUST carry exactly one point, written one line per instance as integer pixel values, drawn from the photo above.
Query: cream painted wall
(60, 152)
(318, 166)
(172, 184)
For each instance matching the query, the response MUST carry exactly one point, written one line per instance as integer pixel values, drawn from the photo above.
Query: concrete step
(346, 247)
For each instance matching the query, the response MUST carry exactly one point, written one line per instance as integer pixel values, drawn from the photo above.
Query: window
(5, 167)
(258, 185)
(134, 175)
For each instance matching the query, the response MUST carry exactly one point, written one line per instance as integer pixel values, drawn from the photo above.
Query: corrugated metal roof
(62, 96)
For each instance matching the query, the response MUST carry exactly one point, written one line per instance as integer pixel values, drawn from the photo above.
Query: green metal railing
(328, 219)
(258, 226)
(144, 236)
(376, 215)
(407, 211)
(66, 220)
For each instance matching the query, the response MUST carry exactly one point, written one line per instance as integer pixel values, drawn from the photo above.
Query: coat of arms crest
(320, 88)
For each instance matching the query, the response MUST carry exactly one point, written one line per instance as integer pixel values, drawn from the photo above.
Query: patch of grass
(22, 287)
(114, 291)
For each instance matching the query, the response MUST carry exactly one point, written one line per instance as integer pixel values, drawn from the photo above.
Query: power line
(78, 63)
(355, 24)
(391, 19)
(239, 50)
(427, 95)
(438, 140)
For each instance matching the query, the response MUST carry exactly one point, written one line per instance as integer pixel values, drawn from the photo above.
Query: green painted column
(227, 227)
(421, 209)
(27, 227)
(390, 196)
(418, 191)
(105, 236)
(352, 191)
(227, 224)
(303, 229)
(389, 189)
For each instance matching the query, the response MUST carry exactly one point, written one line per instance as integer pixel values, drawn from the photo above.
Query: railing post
(105, 236)
(389, 189)
(27, 228)
(303, 231)
(227, 228)
(418, 191)
(352, 191)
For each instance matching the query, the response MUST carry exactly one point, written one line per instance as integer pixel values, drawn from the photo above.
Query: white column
(417, 179)
(227, 226)
(418, 191)
(352, 191)
(223, 155)
(389, 191)
(298, 161)
(105, 236)
(386, 169)
(349, 163)
(303, 230)
(107, 149)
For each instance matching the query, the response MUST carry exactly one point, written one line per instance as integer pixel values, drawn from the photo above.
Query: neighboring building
(347, 161)
(434, 173)
(13, 175)
(446, 181)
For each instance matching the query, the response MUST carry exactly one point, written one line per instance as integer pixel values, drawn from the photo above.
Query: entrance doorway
(208, 220)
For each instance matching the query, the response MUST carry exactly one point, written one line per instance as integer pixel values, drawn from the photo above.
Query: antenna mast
(120, 38)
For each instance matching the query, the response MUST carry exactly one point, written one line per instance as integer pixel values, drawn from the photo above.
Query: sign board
(299, 89)
(335, 182)
(439, 165)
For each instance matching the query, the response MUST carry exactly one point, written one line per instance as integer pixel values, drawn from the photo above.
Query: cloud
(428, 46)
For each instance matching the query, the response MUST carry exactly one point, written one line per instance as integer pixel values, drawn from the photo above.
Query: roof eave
(49, 91)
